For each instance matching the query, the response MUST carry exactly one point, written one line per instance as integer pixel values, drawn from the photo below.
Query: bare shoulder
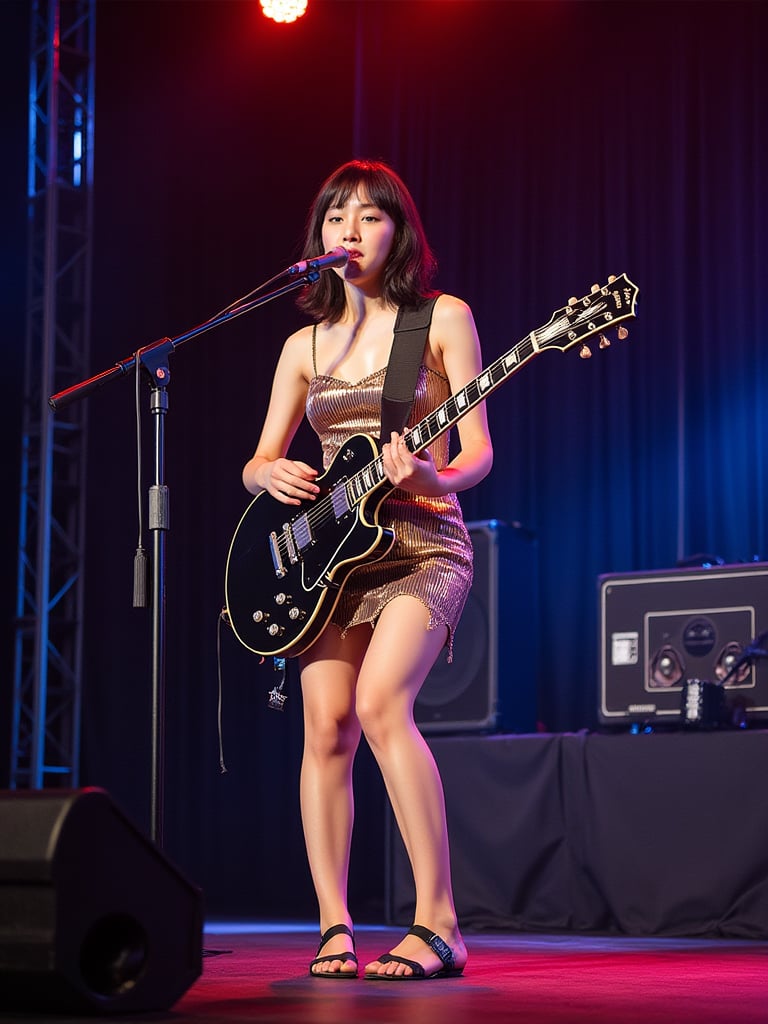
(451, 313)
(297, 351)
(453, 325)
(299, 340)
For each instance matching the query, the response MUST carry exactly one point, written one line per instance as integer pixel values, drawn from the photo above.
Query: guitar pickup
(340, 500)
(302, 534)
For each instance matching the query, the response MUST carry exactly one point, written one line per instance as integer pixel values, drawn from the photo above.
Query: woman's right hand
(289, 482)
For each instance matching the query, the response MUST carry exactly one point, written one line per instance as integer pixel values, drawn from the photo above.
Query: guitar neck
(602, 309)
(446, 415)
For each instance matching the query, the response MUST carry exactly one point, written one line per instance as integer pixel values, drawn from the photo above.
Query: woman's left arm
(455, 344)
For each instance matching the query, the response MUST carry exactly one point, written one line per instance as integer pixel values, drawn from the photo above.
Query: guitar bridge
(277, 561)
(292, 556)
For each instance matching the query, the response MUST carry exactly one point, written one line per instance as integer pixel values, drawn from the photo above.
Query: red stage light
(283, 10)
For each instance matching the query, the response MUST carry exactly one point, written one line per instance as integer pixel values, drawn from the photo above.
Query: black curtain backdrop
(548, 145)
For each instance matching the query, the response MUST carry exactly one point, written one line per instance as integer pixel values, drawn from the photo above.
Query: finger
(306, 472)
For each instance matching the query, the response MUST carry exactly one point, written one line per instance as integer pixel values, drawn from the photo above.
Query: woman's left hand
(413, 473)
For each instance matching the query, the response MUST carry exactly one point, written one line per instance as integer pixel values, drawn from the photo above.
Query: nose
(351, 232)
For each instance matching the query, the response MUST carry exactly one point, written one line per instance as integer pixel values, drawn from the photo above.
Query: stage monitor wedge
(93, 917)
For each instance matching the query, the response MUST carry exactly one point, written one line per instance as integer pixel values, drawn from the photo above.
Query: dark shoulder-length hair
(411, 265)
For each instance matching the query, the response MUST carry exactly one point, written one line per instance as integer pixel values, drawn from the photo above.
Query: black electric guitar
(287, 564)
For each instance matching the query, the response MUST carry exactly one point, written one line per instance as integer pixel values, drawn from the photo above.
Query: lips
(354, 254)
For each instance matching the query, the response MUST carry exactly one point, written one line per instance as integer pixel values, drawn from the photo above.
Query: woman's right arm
(268, 469)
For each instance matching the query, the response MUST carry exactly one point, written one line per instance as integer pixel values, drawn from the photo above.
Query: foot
(417, 956)
(337, 961)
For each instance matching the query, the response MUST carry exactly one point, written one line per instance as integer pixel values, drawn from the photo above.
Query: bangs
(376, 185)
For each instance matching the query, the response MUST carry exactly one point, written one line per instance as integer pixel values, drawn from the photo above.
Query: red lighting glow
(283, 10)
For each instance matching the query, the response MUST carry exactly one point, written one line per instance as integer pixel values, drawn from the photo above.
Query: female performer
(364, 672)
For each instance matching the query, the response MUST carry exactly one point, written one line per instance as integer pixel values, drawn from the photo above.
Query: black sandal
(337, 929)
(438, 946)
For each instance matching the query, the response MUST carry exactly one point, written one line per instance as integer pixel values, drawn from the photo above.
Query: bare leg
(331, 737)
(399, 657)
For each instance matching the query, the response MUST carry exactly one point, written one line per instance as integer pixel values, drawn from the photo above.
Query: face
(365, 231)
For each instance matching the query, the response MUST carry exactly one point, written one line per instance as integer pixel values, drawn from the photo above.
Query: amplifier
(661, 629)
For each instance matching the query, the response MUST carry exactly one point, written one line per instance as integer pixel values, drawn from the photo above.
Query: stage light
(283, 11)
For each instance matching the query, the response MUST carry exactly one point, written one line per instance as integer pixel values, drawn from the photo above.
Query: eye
(333, 218)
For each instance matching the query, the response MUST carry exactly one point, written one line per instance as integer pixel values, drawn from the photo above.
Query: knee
(326, 736)
(377, 718)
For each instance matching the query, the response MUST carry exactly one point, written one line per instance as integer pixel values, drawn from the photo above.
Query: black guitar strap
(411, 330)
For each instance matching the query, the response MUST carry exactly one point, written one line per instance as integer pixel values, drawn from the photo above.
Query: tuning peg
(611, 278)
(585, 352)
(573, 301)
(622, 333)
(604, 342)
(595, 288)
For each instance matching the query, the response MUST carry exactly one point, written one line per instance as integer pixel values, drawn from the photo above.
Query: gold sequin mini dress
(431, 558)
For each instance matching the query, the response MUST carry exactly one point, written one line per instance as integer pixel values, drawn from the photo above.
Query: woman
(364, 672)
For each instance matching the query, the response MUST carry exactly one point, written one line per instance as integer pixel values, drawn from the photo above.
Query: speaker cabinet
(491, 683)
(662, 629)
(93, 919)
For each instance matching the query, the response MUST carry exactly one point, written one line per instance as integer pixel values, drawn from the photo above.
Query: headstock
(603, 309)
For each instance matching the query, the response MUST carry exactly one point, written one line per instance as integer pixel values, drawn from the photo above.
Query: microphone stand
(154, 360)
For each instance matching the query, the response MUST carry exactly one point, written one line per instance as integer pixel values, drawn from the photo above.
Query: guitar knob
(282, 599)
(585, 352)
(276, 629)
(297, 614)
(604, 342)
(622, 332)
(260, 616)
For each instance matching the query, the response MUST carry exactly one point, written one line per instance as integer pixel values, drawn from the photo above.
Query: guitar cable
(276, 698)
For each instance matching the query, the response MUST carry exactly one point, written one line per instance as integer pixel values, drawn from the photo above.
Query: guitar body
(287, 564)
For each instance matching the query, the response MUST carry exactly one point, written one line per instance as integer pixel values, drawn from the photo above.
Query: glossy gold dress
(431, 558)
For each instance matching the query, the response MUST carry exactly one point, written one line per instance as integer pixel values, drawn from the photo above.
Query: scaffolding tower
(47, 682)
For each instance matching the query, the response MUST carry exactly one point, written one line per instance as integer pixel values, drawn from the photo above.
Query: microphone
(337, 257)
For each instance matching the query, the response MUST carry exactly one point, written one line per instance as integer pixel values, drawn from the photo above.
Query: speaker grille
(92, 915)
(491, 684)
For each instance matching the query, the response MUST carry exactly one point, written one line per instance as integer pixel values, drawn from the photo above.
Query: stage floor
(258, 973)
(510, 977)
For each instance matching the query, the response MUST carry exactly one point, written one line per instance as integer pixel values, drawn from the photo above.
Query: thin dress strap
(314, 350)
